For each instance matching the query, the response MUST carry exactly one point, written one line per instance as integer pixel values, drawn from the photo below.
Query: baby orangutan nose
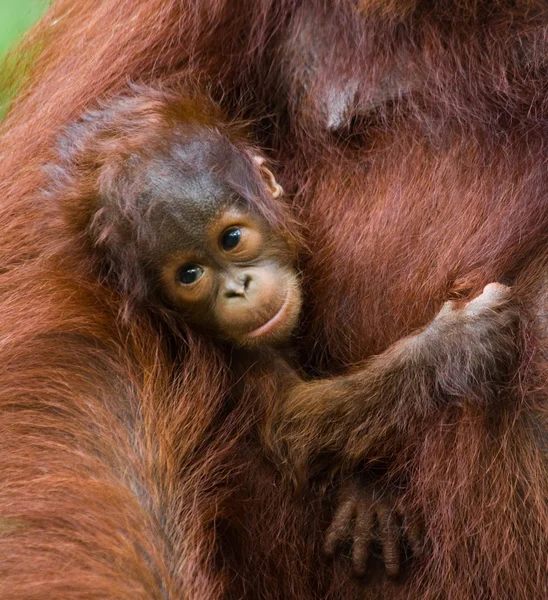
(252, 303)
(238, 287)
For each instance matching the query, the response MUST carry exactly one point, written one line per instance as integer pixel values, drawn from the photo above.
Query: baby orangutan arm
(463, 354)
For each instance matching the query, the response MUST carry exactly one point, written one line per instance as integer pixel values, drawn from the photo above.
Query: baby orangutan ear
(274, 187)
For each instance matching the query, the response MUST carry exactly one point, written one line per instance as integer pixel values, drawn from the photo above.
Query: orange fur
(125, 475)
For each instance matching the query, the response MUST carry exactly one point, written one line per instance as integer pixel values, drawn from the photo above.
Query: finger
(493, 296)
(414, 532)
(497, 290)
(340, 526)
(389, 531)
(448, 307)
(363, 534)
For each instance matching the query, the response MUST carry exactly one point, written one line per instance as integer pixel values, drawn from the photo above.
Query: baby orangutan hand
(369, 514)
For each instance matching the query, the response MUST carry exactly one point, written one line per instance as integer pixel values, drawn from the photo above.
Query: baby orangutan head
(185, 213)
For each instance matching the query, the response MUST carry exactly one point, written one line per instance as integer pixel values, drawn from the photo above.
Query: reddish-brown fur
(124, 475)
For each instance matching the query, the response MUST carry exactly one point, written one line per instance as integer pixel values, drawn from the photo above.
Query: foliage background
(16, 16)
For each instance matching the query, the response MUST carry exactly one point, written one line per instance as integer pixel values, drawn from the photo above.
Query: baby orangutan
(187, 220)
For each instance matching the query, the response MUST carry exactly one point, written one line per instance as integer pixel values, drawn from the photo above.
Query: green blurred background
(16, 16)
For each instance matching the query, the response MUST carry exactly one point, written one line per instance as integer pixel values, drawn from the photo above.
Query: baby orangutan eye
(231, 238)
(189, 274)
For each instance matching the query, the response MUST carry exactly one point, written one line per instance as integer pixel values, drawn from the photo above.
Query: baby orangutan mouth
(284, 320)
(273, 322)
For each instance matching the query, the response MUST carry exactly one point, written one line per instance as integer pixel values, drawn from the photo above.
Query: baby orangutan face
(241, 284)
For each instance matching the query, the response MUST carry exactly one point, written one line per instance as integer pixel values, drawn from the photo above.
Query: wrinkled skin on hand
(368, 515)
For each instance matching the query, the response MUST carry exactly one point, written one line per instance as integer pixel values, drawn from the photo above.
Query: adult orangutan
(412, 135)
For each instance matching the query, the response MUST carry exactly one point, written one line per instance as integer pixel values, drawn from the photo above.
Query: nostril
(235, 289)
(238, 286)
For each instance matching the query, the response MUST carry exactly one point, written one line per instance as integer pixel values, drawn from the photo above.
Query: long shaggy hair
(412, 135)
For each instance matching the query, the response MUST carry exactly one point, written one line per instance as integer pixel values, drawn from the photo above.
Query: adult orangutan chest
(403, 225)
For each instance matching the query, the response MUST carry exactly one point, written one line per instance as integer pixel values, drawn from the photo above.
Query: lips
(273, 322)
